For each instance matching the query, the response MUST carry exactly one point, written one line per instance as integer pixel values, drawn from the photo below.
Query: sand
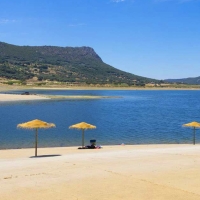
(19, 97)
(137, 172)
(16, 97)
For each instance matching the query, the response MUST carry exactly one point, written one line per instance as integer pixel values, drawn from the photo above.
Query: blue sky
(152, 38)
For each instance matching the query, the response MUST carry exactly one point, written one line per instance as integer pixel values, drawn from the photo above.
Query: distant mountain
(193, 81)
(63, 64)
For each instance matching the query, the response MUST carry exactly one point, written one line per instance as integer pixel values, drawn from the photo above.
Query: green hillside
(62, 64)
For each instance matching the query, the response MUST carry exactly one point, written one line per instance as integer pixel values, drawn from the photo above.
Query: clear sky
(152, 38)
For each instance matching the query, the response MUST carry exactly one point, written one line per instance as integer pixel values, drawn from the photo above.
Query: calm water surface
(138, 117)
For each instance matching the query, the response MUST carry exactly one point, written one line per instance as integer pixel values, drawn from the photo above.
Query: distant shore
(18, 97)
(112, 88)
(62, 87)
(31, 96)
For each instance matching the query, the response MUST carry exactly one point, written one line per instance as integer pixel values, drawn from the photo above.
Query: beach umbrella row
(37, 124)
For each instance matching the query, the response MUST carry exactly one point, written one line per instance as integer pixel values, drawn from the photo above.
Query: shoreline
(19, 97)
(111, 88)
(31, 97)
(116, 172)
(9, 88)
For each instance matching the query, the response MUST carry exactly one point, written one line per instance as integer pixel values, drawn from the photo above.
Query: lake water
(138, 117)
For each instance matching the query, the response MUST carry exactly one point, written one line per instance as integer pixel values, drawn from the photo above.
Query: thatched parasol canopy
(35, 124)
(83, 126)
(193, 125)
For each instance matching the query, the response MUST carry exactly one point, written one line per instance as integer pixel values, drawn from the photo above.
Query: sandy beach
(139, 172)
(18, 97)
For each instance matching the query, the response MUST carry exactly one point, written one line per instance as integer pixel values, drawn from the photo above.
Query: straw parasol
(36, 124)
(194, 125)
(83, 126)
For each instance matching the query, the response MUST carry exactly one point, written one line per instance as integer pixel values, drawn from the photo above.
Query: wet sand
(139, 172)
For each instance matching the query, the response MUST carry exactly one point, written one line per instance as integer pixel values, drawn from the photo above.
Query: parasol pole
(82, 137)
(194, 137)
(36, 137)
